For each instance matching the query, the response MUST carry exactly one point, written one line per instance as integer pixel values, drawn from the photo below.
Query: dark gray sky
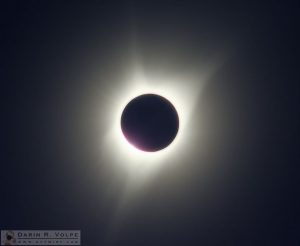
(244, 125)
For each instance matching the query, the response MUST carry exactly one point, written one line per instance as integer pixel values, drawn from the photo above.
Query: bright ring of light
(180, 91)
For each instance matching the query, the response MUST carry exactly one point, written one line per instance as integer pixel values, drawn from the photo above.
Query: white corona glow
(181, 91)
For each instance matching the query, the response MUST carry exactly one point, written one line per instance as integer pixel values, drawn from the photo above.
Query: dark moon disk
(150, 122)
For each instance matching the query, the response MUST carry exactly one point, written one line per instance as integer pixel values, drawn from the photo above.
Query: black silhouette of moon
(150, 122)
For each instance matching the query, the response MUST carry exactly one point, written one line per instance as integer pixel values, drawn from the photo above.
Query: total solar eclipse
(150, 122)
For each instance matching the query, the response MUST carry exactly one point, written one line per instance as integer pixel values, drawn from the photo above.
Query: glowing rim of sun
(180, 90)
